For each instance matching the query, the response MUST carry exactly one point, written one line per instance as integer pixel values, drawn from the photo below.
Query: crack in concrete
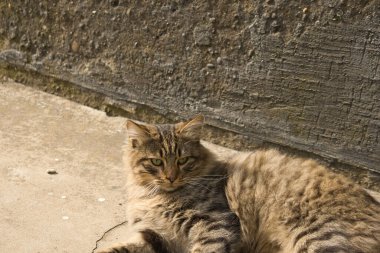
(109, 230)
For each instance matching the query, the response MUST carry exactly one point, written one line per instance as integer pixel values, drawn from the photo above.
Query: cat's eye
(183, 160)
(156, 162)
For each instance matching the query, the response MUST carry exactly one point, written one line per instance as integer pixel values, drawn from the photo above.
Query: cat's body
(196, 212)
(177, 200)
(288, 204)
(175, 193)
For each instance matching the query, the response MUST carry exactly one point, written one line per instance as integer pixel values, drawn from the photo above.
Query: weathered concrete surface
(301, 74)
(40, 132)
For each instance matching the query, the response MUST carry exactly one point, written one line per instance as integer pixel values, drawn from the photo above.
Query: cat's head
(166, 156)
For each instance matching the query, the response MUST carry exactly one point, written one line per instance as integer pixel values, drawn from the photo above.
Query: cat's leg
(213, 234)
(145, 241)
(215, 243)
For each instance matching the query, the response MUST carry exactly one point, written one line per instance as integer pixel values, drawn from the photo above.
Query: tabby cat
(175, 193)
(177, 202)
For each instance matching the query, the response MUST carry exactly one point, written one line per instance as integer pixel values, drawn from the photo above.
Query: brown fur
(181, 204)
(288, 205)
(284, 204)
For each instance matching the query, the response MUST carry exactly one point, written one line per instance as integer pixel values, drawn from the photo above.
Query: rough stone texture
(301, 74)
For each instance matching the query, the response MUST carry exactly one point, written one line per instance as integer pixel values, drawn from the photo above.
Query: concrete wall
(299, 74)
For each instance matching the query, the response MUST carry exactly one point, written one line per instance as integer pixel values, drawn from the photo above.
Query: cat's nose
(170, 178)
(171, 175)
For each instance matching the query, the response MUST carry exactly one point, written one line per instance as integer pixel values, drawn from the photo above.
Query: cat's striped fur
(288, 204)
(284, 204)
(178, 205)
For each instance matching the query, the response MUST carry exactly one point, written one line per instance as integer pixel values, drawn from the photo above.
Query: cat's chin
(170, 188)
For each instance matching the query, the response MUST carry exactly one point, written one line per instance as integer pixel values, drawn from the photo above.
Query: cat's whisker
(150, 192)
(153, 190)
(149, 187)
(212, 177)
(216, 179)
(196, 183)
(209, 178)
(156, 190)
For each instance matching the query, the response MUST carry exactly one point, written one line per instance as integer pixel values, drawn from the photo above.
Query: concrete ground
(68, 211)
(77, 209)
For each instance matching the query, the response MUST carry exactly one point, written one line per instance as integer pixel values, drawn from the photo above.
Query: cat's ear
(191, 129)
(137, 132)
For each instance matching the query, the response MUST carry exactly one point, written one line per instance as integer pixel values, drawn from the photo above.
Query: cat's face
(166, 157)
